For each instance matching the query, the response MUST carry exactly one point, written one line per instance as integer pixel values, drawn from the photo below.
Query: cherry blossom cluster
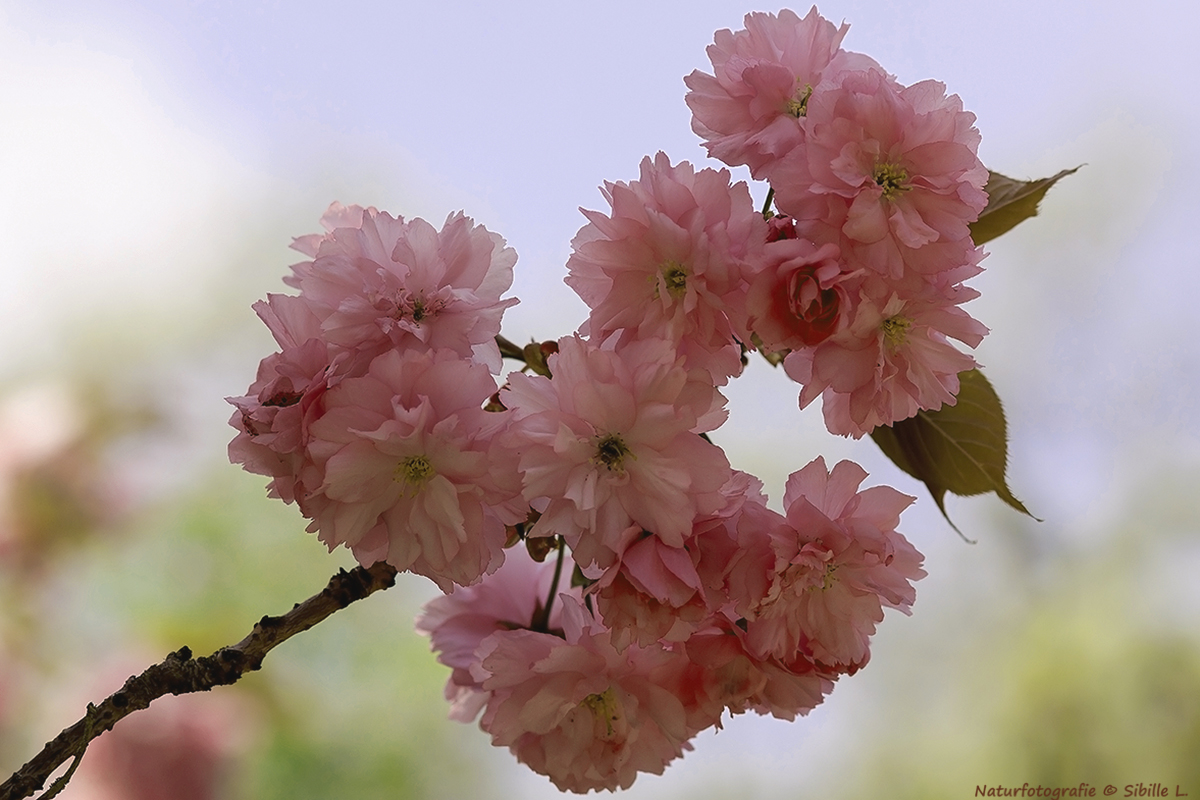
(370, 417)
(656, 590)
(877, 183)
(752, 610)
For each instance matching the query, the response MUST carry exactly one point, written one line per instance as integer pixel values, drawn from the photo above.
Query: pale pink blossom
(513, 597)
(272, 419)
(839, 562)
(748, 572)
(738, 563)
(751, 109)
(613, 440)
(410, 472)
(780, 227)
(798, 299)
(894, 167)
(724, 673)
(734, 557)
(336, 216)
(378, 281)
(670, 262)
(657, 592)
(721, 675)
(890, 361)
(935, 270)
(653, 593)
(792, 687)
(575, 709)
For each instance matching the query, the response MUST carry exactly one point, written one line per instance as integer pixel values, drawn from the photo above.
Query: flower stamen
(895, 330)
(283, 399)
(416, 307)
(827, 579)
(414, 471)
(611, 452)
(891, 178)
(798, 105)
(671, 276)
(604, 708)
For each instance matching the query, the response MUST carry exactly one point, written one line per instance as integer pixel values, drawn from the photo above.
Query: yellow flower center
(605, 709)
(414, 471)
(798, 105)
(416, 307)
(611, 452)
(827, 579)
(895, 330)
(891, 178)
(673, 276)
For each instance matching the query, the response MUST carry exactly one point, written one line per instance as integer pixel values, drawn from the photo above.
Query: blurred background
(157, 157)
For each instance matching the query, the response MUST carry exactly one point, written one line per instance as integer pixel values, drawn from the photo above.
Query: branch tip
(181, 673)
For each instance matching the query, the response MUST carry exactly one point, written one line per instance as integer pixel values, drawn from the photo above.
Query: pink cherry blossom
(839, 562)
(751, 109)
(670, 262)
(380, 415)
(653, 593)
(409, 469)
(658, 592)
(748, 572)
(798, 298)
(575, 709)
(613, 440)
(720, 675)
(378, 281)
(513, 597)
(889, 362)
(792, 687)
(895, 167)
(733, 553)
(724, 673)
(336, 216)
(272, 419)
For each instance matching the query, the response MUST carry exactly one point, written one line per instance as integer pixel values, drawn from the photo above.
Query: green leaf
(1010, 202)
(962, 449)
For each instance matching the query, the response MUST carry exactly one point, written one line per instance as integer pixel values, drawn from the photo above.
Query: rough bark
(180, 673)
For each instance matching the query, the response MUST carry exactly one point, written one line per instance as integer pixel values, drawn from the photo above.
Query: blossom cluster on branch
(656, 589)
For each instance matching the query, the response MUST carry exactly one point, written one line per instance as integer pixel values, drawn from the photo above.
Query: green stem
(766, 211)
(542, 621)
(509, 350)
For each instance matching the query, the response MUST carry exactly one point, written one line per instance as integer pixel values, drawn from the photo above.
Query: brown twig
(179, 673)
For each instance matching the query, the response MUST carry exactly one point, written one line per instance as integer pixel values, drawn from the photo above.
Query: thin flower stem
(179, 673)
(766, 212)
(542, 623)
(509, 350)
